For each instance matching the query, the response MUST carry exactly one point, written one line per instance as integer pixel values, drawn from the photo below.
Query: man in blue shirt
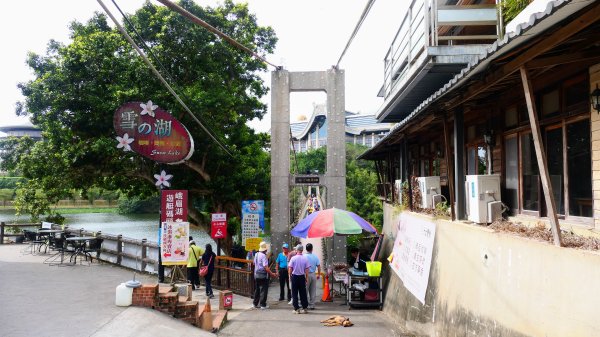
(284, 279)
(314, 272)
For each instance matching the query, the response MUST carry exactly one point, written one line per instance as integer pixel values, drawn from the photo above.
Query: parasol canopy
(325, 223)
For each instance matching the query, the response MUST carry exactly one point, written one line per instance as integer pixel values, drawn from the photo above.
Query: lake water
(135, 226)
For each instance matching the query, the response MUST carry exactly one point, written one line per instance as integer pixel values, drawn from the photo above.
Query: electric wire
(161, 78)
(215, 31)
(356, 28)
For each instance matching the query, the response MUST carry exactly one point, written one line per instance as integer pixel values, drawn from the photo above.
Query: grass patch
(86, 210)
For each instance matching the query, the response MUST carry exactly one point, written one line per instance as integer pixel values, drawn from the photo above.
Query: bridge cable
(356, 28)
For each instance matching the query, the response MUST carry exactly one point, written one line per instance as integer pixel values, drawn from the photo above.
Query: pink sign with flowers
(152, 132)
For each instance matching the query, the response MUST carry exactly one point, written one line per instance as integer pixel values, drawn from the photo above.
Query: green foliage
(441, 209)
(77, 87)
(7, 194)
(361, 181)
(9, 182)
(512, 8)
(136, 205)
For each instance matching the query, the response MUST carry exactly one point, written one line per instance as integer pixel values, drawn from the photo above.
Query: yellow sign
(253, 243)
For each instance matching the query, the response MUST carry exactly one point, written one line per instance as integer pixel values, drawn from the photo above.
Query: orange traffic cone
(326, 293)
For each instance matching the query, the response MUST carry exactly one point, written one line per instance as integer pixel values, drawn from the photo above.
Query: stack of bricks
(145, 296)
(167, 302)
(187, 311)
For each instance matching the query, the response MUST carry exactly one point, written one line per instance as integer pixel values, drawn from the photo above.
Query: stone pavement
(43, 300)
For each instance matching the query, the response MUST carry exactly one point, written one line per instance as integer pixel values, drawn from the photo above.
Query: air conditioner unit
(429, 186)
(494, 211)
(480, 191)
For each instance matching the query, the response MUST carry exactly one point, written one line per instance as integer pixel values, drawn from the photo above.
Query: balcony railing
(427, 25)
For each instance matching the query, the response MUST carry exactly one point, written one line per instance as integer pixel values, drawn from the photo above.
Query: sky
(312, 35)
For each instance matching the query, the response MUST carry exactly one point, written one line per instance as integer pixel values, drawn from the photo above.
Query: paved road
(41, 300)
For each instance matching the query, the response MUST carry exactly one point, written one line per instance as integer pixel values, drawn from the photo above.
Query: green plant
(512, 8)
(441, 209)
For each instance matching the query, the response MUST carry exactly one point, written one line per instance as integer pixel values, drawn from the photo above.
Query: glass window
(577, 97)
(511, 117)
(531, 175)
(550, 102)
(554, 159)
(579, 165)
(511, 173)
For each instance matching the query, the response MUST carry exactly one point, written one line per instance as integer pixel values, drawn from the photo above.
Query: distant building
(22, 130)
(360, 129)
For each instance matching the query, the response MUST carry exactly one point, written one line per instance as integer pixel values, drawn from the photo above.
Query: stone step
(164, 289)
(219, 318)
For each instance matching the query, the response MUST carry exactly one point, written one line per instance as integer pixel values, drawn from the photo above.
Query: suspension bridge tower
(283, 83)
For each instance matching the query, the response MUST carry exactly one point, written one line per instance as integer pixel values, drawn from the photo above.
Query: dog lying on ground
(337, 320)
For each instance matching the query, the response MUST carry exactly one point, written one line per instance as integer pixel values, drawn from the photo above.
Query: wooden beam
(564, 59)
(449, 167)
(545, 43)
(540, 155)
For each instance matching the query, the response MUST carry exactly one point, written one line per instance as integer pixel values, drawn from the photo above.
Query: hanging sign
(174, 205)
(252, 244)
(218, 225)
(152, 132)
(174, 243)
(412, 253)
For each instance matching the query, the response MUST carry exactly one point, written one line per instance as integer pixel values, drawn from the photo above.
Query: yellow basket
(374, 268)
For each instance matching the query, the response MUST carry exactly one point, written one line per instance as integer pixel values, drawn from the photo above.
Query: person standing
(192, 265)
(208, 259)
(298, 270)
(284, 279)
(261, 277)
(314, 272)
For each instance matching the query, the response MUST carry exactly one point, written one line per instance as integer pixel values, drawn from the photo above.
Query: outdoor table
(45, 234)
(79, 243)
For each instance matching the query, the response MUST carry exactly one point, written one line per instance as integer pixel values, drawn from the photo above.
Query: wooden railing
(234, 274)
(5, 226)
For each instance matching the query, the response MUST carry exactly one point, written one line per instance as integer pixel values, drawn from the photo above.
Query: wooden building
(521, 110)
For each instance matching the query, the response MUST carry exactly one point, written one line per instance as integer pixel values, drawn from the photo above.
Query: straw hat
(263, 246)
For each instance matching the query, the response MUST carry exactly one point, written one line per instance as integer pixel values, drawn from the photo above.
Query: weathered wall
(484, 283)
(595, 120)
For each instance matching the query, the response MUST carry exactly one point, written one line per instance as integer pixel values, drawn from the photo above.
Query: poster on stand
(174, 243)
(250, 226)
(412, 253)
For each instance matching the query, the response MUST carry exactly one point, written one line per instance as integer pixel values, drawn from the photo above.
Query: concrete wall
(595, 120)
(484, 283)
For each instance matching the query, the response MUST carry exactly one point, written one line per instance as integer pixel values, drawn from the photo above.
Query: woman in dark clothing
(208, 259)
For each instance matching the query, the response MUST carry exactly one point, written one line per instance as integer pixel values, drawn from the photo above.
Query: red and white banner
(218, 225)
(174, 206)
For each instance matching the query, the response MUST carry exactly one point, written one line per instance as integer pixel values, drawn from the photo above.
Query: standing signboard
(174, 244)
(174, 205)
(218, 225)
(412, 253)
(255, 207)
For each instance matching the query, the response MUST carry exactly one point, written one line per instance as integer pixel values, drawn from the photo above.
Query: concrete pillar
(280, 157)
(459, 168)
(336, 152)
(595, 128)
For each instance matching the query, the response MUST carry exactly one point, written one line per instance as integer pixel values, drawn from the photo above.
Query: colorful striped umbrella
(325, 223)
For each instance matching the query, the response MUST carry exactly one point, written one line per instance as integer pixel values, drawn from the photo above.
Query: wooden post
(2, 233)
(540, 155)
(144, 254)
(119, 249)
(449, 168)
(459, 164)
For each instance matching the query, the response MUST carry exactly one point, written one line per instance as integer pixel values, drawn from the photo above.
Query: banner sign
(174, 243)
(412, 253)
(218, 225)
(252, 244)
(250, 226)
(255, 207)
(152, 132)
(174, 205)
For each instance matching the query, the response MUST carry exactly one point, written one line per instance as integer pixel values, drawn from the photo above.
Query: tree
(78, 86)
